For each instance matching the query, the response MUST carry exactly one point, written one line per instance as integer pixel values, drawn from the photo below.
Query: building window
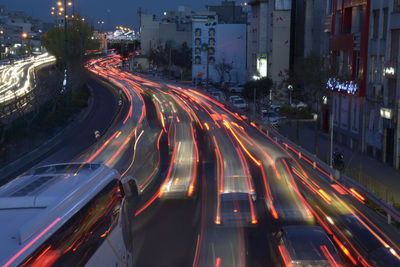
(382, 67)
(329, 6)
(385, 23)
(396, 6)
(346, 65)
(197, 51)
(197, 32)
(211, 51)
(357, 74)
(375, 25)
(337, 23)
(394, 45)
(371, 69)
(197, 60)
(197, 41)
(347, 19)
(283, 4)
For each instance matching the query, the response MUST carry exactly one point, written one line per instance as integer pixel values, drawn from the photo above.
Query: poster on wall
(344, 111)
(355, 114)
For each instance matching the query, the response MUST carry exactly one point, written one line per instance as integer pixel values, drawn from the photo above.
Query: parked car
(275, 108)
(236, 89)
(240, 103)
(306, 246)
(272, 117)
(218, 95)
(299, 105)
(233, 97)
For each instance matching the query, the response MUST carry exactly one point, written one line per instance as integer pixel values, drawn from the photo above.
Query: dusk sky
(122, 12)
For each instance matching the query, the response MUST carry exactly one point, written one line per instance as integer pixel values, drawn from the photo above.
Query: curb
(10, 168)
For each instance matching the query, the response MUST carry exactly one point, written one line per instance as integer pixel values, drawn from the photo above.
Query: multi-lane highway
(217, 188)
(16, 79)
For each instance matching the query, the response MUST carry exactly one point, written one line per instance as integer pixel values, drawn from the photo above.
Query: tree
(311, 74)
(182, 58)
(158, 56)
(223, 69)
(80, 35)
(262, 86)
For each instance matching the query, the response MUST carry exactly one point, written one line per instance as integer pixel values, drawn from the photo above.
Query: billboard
(262, 66)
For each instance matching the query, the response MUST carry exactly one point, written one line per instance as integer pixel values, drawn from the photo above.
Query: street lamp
(290, 88)
(101, 23)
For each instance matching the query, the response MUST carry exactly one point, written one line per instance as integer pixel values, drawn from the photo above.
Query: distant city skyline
(112, 12)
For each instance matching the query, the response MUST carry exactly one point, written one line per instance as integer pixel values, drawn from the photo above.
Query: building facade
(269, 34)
(19, 33)
(174, 28)
(383, 94)
(215, 47)
(349, 28)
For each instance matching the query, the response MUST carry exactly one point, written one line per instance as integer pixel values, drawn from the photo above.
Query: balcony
(256, 2)
(342, 42)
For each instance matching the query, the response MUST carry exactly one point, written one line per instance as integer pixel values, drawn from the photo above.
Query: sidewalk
(378, 177)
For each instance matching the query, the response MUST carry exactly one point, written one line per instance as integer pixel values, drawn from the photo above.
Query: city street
(183, 215)
(200, 133)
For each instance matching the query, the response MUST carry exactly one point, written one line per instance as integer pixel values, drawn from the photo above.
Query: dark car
(306, 246)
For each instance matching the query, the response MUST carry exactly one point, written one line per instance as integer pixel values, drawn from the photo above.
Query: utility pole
(65, 46)
(255, 92)
(208, 68)
(331, 134)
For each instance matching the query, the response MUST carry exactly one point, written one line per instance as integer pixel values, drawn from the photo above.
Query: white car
(233, 97)
(300, 105)
(272, 117)
(240, 103)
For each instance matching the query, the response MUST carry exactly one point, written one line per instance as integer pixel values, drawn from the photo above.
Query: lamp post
(208, 68)
(256, 78)
(25, 36)
(101, 23)
(331, 134)
(65, 83)
(290, 88)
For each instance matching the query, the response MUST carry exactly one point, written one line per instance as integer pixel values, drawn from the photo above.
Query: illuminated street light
(59, 3)
(24, 35)
(69, 3)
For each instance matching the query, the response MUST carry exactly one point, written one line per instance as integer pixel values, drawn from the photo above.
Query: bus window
(79, 238)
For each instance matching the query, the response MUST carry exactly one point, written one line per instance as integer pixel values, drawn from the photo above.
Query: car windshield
(308, 245)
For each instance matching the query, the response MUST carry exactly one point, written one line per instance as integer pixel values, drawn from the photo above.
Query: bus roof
(34, 206)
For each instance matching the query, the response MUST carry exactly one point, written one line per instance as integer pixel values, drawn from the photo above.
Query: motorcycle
(338, 160)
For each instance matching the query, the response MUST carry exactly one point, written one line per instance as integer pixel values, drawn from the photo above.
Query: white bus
(66, 215)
